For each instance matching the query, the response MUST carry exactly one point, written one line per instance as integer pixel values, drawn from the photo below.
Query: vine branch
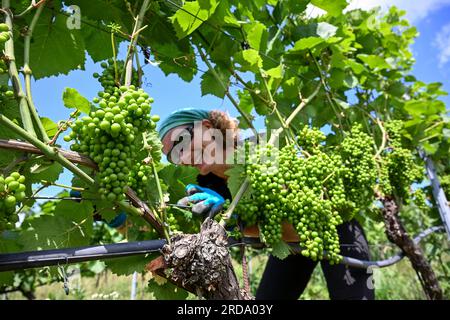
(14, 74)
(230, 97)
(27, 71)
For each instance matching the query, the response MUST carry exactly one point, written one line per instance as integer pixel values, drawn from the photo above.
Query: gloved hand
(118, 220)
(207, 202)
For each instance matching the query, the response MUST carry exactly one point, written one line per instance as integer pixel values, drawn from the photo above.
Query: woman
(190, 137)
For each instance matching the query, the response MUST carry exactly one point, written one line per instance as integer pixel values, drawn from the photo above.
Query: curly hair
(221, 120)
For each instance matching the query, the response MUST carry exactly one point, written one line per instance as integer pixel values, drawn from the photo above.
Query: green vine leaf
(50, 127)
(191, 16)
(334, 8)
(281, 250)
(210, 85)
(73, 100)
(51, 41)
(166, 291)
(69, 226)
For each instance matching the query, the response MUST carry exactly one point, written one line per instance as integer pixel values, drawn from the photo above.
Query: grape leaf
(128, 265)
(73, 100)
(69, 226)
(50, 127)
(281, 250)
(188, 18)
(173, 60)
(166, 291)
(325, 30)
(307, 43)
(257, 36)
(48, 171)
(373, 61)
(236, 176)
(177, 177)
(249, 59)
(245, 101)
(334, 7)
(98, 43)
(210, 85)
(51, 41)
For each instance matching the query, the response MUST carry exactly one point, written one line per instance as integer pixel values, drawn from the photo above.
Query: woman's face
(182, 147)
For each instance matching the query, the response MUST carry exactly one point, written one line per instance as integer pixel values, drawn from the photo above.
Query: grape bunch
(141, 171)
(12, 191)
(5, 93)
(112, 136)
(290, 186)
(400, 168)
(138, 179)
(4, 33)
(109, 80)
(3, 67)
(4, 36)
(359, 170)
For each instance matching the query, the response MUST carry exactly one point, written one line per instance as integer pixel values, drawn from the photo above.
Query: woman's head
(199, 138)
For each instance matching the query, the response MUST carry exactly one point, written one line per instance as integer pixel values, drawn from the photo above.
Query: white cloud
(416, 10)
(442, 42)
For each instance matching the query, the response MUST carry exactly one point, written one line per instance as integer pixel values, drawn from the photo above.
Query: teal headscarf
(181, 117)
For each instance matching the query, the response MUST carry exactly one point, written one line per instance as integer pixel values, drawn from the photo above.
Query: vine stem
(162, 203)
(27, 72)
(63, 126)
(243, 188)
(136, 30)
(384, 139)
(14, 74)
(294, 113)
(230, 97)
(327, 93)
(50, 152)
(48, 183)
(73, 156)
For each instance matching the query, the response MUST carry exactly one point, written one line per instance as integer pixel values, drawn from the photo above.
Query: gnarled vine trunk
(397, 234)
(202, 263)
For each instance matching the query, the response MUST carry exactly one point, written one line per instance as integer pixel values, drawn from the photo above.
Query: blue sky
(431, 50)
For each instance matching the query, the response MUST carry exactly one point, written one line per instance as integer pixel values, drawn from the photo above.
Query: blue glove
(118, 220)
(206, 202)
(75, 194)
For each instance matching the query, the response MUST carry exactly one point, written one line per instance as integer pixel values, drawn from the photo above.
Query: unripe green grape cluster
(112, 136)
(12, 191)
(173, 223)
(139, 177)
(310, 139)
(287, 186)
(360, 170)
(6, 93)
(108, 78)
(3, 67)
(4, 34)
(400, 169)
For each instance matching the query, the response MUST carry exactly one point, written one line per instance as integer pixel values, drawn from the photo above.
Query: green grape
(290, 186)
(359, 171)
(400, 169)
(108, 135)
(109, 80)
(138, 179)
(11, 193)
(4, 27)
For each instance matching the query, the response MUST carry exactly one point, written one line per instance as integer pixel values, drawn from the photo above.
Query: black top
(215, 183)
